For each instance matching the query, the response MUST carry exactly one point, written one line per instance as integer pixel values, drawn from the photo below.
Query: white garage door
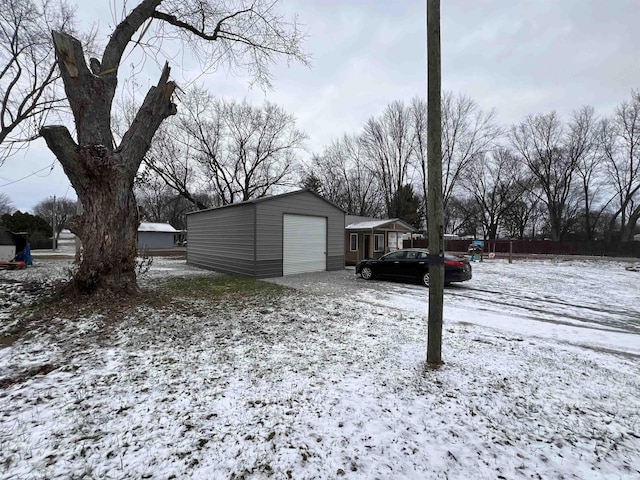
(304, 244)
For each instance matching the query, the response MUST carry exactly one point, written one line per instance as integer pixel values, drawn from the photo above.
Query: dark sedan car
(413, 263)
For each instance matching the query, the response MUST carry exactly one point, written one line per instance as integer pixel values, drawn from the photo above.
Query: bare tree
(56, 211)
(621, 147)
(171, 159)
(6, 205)
(388, 142)
(418, 109)
(494, 181)
(232, 151)
(246, 34)
(463, 216)
(245, 151)
(343, 177)
(160, 203)
(589, 169)
(467, 133)
(552, 153)
(524, 217)
(28, 72)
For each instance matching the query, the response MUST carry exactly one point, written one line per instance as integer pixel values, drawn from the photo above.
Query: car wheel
(425, 279)
(366, 273)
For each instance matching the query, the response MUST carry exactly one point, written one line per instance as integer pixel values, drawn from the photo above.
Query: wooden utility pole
(55, 225)
(435, 208)
(78, 242)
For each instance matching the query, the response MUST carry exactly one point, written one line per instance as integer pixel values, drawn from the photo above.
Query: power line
(50, 167)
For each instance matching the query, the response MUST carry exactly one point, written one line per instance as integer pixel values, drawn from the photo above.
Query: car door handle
(420, 263)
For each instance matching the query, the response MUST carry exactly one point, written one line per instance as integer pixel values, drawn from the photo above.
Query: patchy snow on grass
(540, 380)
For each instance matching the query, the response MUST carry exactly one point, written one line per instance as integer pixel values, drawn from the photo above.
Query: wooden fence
(539, 247)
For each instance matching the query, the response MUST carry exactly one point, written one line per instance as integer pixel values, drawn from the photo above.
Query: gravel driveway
(319, 282)
(336, 282)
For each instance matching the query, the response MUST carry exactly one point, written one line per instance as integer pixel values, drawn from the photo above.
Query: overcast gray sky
(518, 57)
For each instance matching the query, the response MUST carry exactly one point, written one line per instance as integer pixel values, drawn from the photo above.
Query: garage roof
(269, 198)
(156, 227)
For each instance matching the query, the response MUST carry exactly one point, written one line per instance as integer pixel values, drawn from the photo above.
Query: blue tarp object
(25, 255)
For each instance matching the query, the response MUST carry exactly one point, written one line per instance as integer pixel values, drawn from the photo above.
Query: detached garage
(155, 235)
(273, 236)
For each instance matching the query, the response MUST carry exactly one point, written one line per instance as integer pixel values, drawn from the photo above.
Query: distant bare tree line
(544, 177)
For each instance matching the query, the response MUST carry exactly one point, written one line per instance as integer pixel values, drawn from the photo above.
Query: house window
(378, 244)
(353, 242)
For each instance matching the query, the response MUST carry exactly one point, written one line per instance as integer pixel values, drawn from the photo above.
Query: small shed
(155, 235)
(10, 244)
(272, 236)
(367, 237)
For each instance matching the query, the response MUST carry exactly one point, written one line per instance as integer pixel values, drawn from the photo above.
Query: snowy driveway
(585, 302)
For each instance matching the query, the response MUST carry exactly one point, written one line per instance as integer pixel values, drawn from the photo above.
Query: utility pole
(78, 242)
(435, 208)
(55, 225)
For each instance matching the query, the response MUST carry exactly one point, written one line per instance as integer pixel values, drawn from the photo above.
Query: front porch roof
(394, 224)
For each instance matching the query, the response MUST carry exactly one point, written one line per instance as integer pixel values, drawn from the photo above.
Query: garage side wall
(222, 240)
(7, 252)
(155, 240)
(269, 228)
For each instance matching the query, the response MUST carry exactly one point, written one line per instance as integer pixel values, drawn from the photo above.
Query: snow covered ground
(541, 380)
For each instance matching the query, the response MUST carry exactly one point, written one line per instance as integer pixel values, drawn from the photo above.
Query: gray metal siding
(148, 240)
(269, 228)
(223, 240)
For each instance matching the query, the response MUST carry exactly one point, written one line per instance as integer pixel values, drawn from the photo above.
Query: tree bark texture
(103, 174)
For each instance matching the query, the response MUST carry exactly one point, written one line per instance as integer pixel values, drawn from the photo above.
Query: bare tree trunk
(109, 221)
(101, 175)
(109, 241)
(629, 228)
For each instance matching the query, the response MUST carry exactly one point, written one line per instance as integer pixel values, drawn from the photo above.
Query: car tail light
(454, 263)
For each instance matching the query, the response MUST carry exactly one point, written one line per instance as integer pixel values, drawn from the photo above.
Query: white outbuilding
(155, 235)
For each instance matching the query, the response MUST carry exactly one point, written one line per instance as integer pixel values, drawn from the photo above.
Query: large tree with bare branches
(342, 175)
(468, 132)
(245, 150)
(232, 150)
(494, 180)
(388, 142)
(28, 71)
(248, 34)
(552, 150)
(56, 211)
(620, 136)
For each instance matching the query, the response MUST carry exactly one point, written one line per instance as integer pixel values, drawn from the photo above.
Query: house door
(367, 246)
